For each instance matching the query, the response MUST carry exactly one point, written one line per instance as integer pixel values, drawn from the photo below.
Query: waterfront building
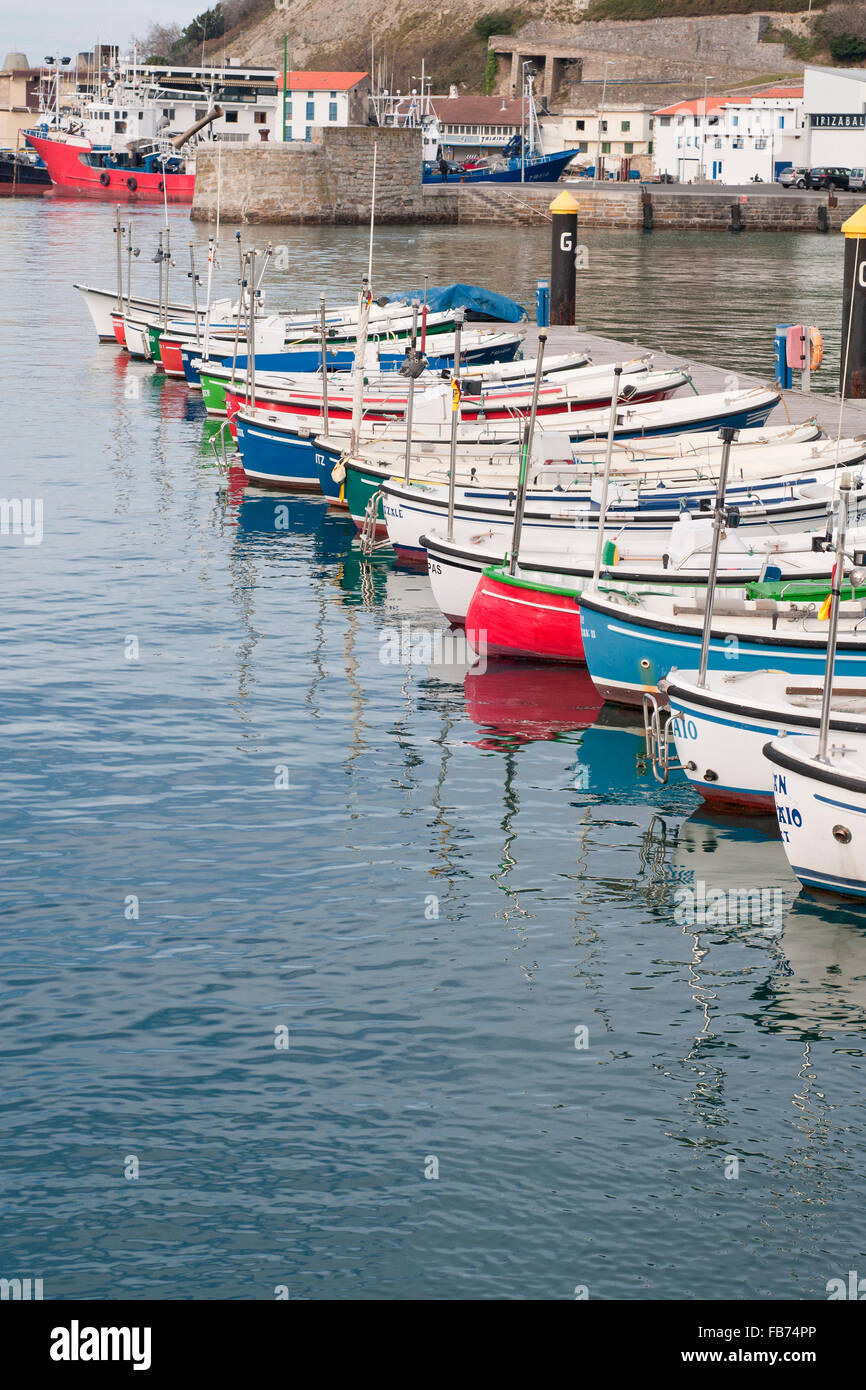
(834, 101)
(621, 136)
(19, 98)
(732, 140)
(316, 99)
(476, 125)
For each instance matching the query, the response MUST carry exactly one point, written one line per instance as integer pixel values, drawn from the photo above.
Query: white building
(732, 140)
(834, 100)
(621, 137)
(316, 99)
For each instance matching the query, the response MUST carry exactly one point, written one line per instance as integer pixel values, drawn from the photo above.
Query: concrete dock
(796, 406)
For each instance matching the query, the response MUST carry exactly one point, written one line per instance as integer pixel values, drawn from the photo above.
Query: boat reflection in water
(515, 702)
(729, 885)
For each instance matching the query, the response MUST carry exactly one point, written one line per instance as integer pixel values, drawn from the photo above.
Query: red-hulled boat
(80, 169)
(170, 350)
(516, 616)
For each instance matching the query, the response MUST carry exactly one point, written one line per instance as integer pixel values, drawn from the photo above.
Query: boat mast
(523, 479)
(358, 364)
(727, 434)
(323, 331)
(455, 418)
(833, 630)
(602, 510)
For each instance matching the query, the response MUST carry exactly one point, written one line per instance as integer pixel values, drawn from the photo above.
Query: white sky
(71, 26)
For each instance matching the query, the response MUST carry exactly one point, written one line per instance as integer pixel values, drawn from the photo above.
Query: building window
(311, 94)
(311, 110)
(736, 120)
(605, 149)
(169, 112)
(307, 134)
(625, 125)
(628, 147)
(580, 125)
(200, 112)
(259, 117)
(288, 110)
(333, 96)
(664, 120)
(332, 110)
(781, 122)
(649, 148)
(717, 143)
(651, 122)
(582, 148)
(231, 118)
(604, 125)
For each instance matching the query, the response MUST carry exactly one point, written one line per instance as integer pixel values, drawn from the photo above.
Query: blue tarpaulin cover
(477, 302)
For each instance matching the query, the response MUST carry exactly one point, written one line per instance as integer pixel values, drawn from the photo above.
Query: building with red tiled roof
(732, 139)
(315, 99)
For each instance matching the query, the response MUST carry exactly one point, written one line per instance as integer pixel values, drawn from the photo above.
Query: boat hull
(817, 807)
(628, 653)
(72, 176)
(507, 618)
(275, 459)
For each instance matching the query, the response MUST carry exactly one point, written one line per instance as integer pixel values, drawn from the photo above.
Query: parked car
(828, 177)
(857, 179)
(794, 178)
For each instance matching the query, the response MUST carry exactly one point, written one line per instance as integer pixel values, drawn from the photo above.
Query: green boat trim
(793, 590)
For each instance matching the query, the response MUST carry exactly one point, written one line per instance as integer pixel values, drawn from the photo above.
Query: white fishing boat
(719, 726)
(820, 799)
(681, 556)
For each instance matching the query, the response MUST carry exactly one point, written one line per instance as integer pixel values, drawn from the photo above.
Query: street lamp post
(702, 169)
(600, 123)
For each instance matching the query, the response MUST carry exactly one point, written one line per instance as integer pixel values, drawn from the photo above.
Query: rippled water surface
(468, 875)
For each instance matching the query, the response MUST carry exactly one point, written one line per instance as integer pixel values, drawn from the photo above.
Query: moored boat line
(676, 542)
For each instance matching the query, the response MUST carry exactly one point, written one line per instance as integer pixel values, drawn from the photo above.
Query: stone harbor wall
(623, 208)
(328, 180)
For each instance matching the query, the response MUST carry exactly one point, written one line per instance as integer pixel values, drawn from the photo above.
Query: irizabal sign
(845, 120)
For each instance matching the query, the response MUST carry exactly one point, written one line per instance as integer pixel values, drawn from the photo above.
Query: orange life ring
(816, 349)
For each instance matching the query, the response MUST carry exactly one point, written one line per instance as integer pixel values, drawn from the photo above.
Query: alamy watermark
(22, 516)
(696, 905)
(421, 646)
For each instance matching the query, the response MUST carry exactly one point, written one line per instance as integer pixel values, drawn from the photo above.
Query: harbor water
(331, 966)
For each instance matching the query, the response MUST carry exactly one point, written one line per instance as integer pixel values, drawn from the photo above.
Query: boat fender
(816, 349)
(338, 472)
(105, 178)
(132, 183)
(161, 186)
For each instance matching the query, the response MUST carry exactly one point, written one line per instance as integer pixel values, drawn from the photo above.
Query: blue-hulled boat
(631, 641)
(536, 168)
(500, 348)
(274, 456)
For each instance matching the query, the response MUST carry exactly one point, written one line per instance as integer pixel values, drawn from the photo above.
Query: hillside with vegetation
(453, 40)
